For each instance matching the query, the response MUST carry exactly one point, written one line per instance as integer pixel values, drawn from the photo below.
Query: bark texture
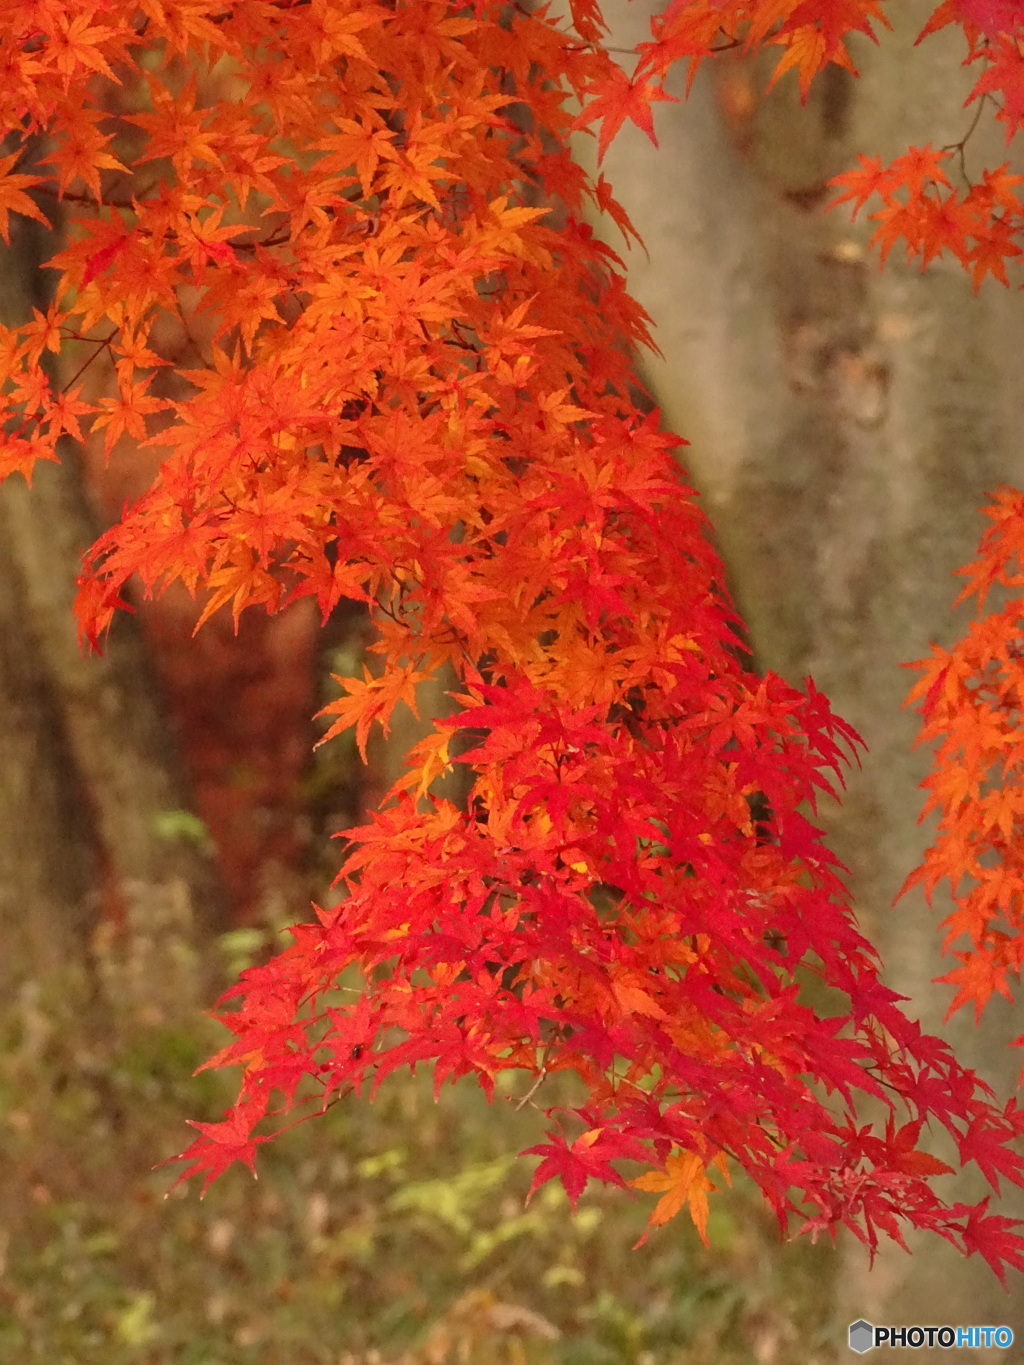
(845, 425)
(90, 768)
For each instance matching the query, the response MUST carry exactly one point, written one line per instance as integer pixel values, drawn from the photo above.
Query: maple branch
(621, 732)
(278, 238)
(93, 201)
(187, 329)
(961, 146)
(100, 344)
(528, 1097)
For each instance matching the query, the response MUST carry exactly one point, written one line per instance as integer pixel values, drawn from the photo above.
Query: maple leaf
(13, 198)
(371, 699)
(949, 12)
(918, 167)
(1005, 75)
(588, 1157)
(990, 252)
(78, 43)
(982, 1143)
(684, 1180)
(834, 19)
(991, 1234)
(903, 1145)
(619, 99)
(994, 18)
(870, 178)
(608, 204)
(806, 51)
(83, 153)
(221, 1145)
(127, 413)
(976, 979)
(244, 582)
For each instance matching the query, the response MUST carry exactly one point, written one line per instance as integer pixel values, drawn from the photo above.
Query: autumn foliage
(335, 252)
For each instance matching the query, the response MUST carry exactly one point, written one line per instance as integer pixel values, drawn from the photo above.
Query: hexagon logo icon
(862, 1336)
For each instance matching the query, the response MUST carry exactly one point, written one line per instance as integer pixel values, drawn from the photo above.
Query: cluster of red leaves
(414, 391)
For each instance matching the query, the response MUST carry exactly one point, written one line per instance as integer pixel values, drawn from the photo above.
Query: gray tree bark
(845, 424)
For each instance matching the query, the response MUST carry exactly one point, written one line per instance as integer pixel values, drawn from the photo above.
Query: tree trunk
(92, 792)
(844, 425)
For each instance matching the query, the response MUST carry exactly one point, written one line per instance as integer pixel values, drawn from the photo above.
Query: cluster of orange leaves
(972, 700)
(408, 383)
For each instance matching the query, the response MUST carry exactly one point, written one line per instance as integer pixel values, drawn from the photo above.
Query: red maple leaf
(590, 1156)
(619, 98)
(222, 1144)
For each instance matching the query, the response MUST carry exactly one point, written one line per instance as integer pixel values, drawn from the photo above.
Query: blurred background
(163, 817)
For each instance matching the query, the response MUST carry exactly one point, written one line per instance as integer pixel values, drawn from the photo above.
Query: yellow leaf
(683, 1181)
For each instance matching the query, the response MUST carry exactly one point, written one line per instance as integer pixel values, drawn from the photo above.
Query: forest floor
(385, 1233)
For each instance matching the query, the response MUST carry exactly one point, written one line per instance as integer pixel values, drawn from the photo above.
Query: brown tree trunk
(47, 868)
(90, 772)
(844, 424)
